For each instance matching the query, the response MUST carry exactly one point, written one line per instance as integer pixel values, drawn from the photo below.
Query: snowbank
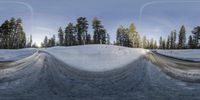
(15, 54)
(96, 58)
(187, 54)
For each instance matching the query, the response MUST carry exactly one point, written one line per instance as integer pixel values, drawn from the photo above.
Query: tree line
(12, 35)
(129, 37)
(77, 34)
(180, 42)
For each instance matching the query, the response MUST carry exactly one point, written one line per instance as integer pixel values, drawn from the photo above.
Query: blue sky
(153, 18)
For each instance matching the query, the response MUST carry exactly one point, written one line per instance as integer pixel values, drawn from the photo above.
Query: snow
(15, 54)
(42, 77)
(96, 58)
(187, 54)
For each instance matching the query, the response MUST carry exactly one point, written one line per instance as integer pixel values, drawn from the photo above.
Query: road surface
(43, 77)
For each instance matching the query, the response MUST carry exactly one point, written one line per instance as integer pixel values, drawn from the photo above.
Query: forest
(12, 36)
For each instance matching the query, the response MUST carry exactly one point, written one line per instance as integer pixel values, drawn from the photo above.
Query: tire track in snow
(43, 77)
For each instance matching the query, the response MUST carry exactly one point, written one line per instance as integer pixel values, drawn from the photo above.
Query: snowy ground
(13, 54)
(45, 76)
(187, 54)
(96, 58)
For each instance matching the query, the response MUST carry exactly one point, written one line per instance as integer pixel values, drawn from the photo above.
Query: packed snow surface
(44, 77)
(96, 58)
(187, 54)
(15, 54)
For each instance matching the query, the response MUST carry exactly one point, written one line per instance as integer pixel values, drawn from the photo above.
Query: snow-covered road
(44, 77)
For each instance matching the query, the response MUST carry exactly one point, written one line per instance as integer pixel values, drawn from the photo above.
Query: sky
(153, 18)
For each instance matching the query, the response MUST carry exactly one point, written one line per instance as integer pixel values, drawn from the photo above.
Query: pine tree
(70, 35)
(31, 40)
(119, 36)
(82, 26)
(168, 43)
(13, 27)
(88, 39)
(133, 35)
(99, 32)
(53, 40)
(5, 34)
(136, 40)
(12, 35)
(45, 42)
(155, 45)
(151, 43)
(161, 43)
(102, 36)
(21, 36)
(190, 42)
(182, 37)
(122, 37)
(196, 37)
(96, 25)
(144, 43)
(164, 44)
(108, 39)
(60, 36)
(172, 40)
(29, 44)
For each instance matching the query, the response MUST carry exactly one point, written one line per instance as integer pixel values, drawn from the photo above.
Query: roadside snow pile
(188, 54)
(15, 54)
(96, 58)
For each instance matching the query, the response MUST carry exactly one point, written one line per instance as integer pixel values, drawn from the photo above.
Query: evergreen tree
(151, 43)
(190, 42)
(60, 36)
(119, 36)
(108, 39)
(196, 37)
(137, 41)
(96, 25)
(122, 37)
(29, 44)
(99, 32)
(168, 43)
(70, 35)
(172, 39)
(164, 44)
(155, 45)
(133, 36)
(53, 40)
(82, 26)
(12, 35)
(161, 43)
(182, 37)
(88, 39)
(45, 42)
(102, 36)
(144, 43)
(21, 34)
(5, 31)
(31, 40)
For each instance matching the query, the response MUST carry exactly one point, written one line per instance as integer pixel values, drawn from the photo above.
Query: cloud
(45, 30)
